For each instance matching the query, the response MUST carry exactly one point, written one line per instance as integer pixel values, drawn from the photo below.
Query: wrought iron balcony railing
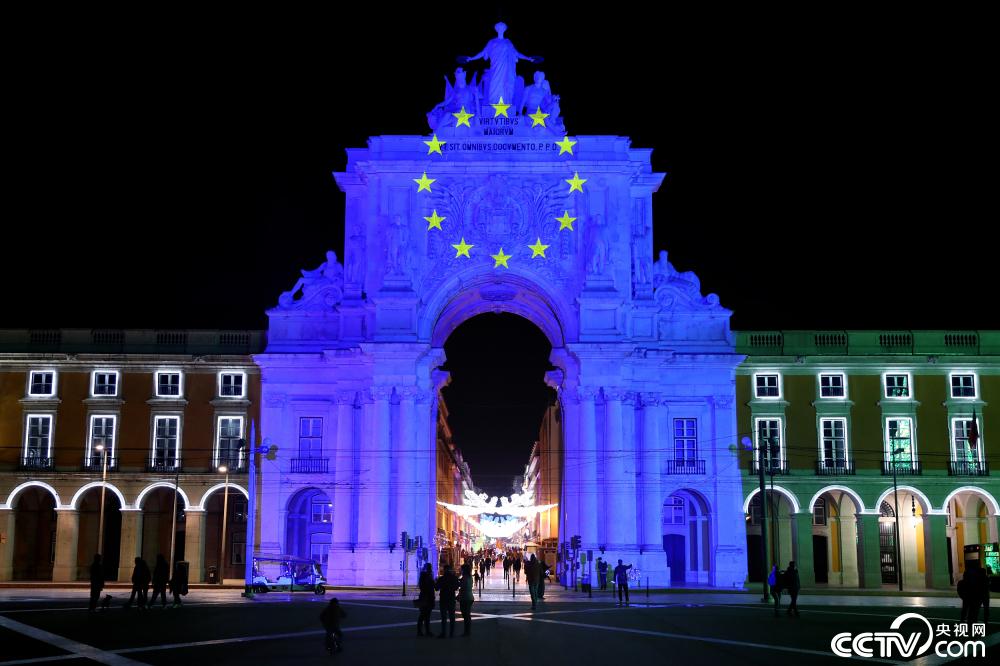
(685, 466)
(310, 465)
(37, 462)
(234, 464)
(770, 467)
(95, 464)
(164, 466)
(903, 467)
(968, 468)
(834, 467)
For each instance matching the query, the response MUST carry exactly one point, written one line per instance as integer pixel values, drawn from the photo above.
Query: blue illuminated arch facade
(357, 344)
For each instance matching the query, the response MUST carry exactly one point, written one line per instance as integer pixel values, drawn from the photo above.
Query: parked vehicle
(286, 573)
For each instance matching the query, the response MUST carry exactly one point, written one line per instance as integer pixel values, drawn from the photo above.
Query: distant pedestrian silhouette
(531, 576)
(179, 582)
(96, 581)
(466, 599)
(447, 584)
(330, 619)
(602, 573)
(141, 578)
(792, 584)
(161, 574)
(621, 580)
(425, 602)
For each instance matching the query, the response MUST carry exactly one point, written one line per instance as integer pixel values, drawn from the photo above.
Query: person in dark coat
(161, 574)
(466, 599)
(96, 581)
(179, 583)
(330, 619)
(141, 577)
(602, 573)
(621, 580)
(543, 570)
(425, 602)
(506, 567)
(447, 584)
(792, 584)
(531, 576)
(517, 569)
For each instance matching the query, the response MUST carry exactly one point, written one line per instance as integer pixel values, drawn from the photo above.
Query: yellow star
(538, 117)
(434, 222)
(463, 249)
(565, 222)
(434, 146)
(565, 146)
(501, 259)
(500, 109)
(424, 183)
(575, 183)
(538, 250)
(463, 118)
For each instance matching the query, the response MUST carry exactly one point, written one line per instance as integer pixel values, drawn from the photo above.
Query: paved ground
(218, 627)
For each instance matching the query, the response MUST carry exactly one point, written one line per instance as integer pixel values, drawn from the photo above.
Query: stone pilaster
(7, 524)
(869, 565)
(131, 543)
(652, 500)
(67, 539)
(194, 545)
(343, 471)
(804, 548)
(376, 482)
(936, 551)
(588, 488)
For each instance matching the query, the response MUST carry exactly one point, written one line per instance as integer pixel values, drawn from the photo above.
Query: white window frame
(909, 385)
(782, 459)
(975, 385)
(843, 385)
(180, 431)
(820, 502)
(767, 397)
(822, 443)
(887, 447)
(27, 434)
(90, 436)
(104, 371)
(311, 437)
(685, 461)
(180, 384)
(55, 383)
(216, 457)
(243, 384)
(675, 507)
(328, 513)
(954, 437)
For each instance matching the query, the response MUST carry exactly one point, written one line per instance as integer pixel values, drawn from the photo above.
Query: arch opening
(309, 526)
(88, 504)
(687, 537)
(34, 534)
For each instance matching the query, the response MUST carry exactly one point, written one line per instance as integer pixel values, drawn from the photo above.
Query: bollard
(647, 588)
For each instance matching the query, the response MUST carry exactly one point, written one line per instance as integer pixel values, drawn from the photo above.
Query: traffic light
(575, 542)
(402, 541)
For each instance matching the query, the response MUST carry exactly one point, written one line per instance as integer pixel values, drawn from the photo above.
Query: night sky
(172, 170)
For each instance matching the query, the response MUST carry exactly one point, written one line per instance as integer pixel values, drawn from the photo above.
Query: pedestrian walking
(602, 573)
(506, 568)
(531, 576)
(447, 585)
(621, 580)
(141, 577)
(543, 572)
(517, 569)
(179, 582)
(330, 619)
(96, 581)
(792, 584)
(482, 573)
(466, 599)
(425, 602)
(161, 574)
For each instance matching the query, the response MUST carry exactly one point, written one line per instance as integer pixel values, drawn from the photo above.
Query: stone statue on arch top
(500, 80)
(664, 271)
(456, 97)
(329, 273)
(539, 96)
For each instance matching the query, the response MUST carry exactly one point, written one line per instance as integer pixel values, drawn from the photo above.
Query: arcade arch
(687, 537)
(34, 533)
(309, 526)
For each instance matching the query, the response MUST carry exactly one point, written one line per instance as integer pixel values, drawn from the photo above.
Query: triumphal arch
(501, 207)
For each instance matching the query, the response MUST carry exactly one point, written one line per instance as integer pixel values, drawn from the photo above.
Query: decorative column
(618, 501)
(376, 483)
(67, 538)
(652, 500)
(803, 523)
(7, 525)
(569, 501)
(404, 450)
(936, 551)
(131, 542)
(343, 474)
(425, 488)
(588, 468)
(194, 544)
(869, 564)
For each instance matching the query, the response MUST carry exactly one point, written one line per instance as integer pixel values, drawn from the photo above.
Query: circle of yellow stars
(462, 249)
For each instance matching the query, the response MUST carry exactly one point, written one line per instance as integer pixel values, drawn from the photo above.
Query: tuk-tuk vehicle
(286, 573)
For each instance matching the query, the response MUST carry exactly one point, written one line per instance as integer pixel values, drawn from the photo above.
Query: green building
(832, 415)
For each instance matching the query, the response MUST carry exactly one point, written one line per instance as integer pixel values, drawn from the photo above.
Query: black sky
(173, 170)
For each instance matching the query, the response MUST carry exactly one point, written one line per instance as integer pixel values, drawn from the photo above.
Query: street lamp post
(895, 495)
(748, 443)
(104, 484)
(252, 451)
(225, 514)
(774, 512)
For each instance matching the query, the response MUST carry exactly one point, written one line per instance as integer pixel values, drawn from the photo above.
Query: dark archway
(236, 532)
(309, 526)
(156, 521)
(90, 518)
(34, 535)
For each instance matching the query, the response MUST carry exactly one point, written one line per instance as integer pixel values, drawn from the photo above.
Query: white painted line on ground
(934, 660)
(829, 612)
(63, 643)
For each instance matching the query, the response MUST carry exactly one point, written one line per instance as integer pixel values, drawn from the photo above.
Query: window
(755, 510)
(102, 432)
(963, 386)
(686, 440)
(166, 442)
(38, 440)
(319, 550)
(322, 510)
(899, 435)
(674, 511)
(232, 384)
(42, 383)
(310, 437)
(767, 386)
(831, 386)
(961, 429)
(239, 510)
(897, 386)
(834, 443)
(819, 512)
(229, 444)
(769, 437)
(105, 383)
(237, 554)
(168, 384)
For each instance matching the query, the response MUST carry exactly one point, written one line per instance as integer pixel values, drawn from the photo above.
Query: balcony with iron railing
(165, 465)
(96, 464)
(968, 468)
(770, 467)
(903, 468)
(234, 464)
(684, 466)
(834, 467)
(30, 462)
(310, 465)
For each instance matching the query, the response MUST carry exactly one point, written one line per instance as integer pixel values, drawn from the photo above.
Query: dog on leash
(106, 602)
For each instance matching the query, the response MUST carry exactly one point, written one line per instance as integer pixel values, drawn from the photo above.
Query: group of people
(618, 575)
(142, 579)
(452, 590)
(785, 581)
(974, 591)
